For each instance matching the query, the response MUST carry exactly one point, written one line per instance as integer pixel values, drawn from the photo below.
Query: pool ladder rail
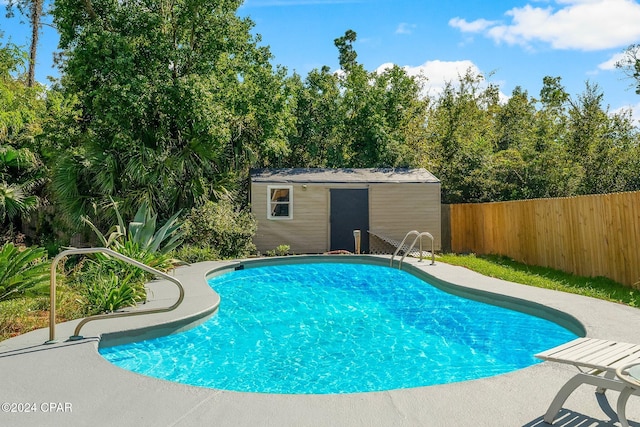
(76, 251)
(418, 237)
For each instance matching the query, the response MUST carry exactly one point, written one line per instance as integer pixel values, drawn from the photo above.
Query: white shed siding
(394, 209)
(307, 232)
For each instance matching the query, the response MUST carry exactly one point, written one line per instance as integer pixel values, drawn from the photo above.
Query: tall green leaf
(22, 270)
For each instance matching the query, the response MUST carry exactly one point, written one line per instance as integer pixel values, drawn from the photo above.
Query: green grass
(507, 269)
(24, 314)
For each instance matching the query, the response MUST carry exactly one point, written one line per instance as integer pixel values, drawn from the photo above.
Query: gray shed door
(349, 211)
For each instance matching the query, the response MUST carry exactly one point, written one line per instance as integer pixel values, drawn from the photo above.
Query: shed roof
(319, 175)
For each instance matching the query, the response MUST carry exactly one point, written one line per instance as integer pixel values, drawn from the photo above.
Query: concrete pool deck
(70, 384)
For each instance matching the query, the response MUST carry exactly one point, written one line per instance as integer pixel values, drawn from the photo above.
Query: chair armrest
(630, 374)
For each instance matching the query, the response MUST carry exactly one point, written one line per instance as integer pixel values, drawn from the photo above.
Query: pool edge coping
(103, 393)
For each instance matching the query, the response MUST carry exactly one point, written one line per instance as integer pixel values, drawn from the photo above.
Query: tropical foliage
(172, 97)
(149, 110)
(18, 178)
(222, 227)
(109, 292)
(22, 271)
(106, 283)
(140, 240)
(21, 109)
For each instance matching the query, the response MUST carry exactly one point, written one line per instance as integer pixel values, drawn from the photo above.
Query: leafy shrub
(108, 283)
(106, 264)
(280, 250)
(108, 292)
(223, 227)
(22, 270)
(140, 240)
(193, 253)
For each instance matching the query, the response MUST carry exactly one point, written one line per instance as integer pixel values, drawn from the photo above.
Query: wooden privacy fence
(587, 235)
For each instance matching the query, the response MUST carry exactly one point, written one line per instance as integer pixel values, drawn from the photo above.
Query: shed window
(280, 202)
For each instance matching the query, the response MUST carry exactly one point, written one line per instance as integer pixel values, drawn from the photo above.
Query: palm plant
(21, 112)
(167, 180)
(22, 271)
(18, 177)
(108, 283)
(14, 202)
(141, 240)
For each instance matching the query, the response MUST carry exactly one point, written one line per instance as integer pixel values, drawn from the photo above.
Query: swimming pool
(340, 328)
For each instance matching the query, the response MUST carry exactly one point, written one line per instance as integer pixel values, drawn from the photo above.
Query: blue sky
(512, 42)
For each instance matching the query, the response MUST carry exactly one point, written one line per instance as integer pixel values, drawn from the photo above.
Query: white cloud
(439, 74)
(571, 24)
(476, 26)
(610, 64)
(405, 28)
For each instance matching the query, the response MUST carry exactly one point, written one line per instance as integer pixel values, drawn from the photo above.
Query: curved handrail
(624, 376)
(410, 233)
(419, 237)
(76, 251)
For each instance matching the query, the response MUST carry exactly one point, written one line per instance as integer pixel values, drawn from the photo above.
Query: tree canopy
(21, 110)
(172, 99)
(357, 118)
(171, 103)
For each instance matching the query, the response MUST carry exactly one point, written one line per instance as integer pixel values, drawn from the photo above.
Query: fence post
(445, 217)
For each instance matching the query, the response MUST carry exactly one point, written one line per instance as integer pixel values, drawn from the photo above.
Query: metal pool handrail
(412, 232)
(418, 237)
(76, 251)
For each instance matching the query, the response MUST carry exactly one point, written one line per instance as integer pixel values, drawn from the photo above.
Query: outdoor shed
(317, 210)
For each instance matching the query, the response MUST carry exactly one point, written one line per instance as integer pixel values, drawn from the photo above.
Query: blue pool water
(340, 328)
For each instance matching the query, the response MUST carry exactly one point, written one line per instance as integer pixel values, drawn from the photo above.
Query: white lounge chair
(597, 360)
(629, 374)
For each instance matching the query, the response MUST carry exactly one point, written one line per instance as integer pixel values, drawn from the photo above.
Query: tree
(376, 119)
(356, 118)
(364, 127)
(605, 145)
(403, 108)
(317, 140)
(21, 112)
(346, 53)
(530, 160)
(630, 64)
(459, 146)
(554, 172)
(174, 99)
(22, 271)
(515, 121)
(33, 11)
